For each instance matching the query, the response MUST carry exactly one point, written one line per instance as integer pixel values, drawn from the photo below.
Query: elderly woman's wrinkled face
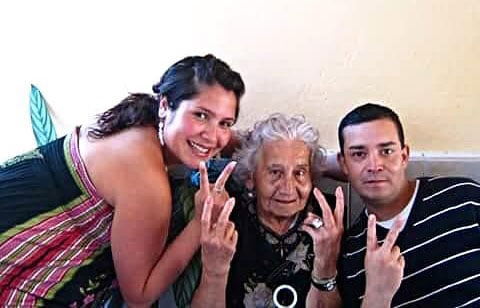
(282, 179)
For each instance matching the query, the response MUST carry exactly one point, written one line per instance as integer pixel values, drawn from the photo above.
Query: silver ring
(317, 223)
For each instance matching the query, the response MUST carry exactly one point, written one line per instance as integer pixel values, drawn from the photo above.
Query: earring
(161, 125)
(162, 114)
(251, 193)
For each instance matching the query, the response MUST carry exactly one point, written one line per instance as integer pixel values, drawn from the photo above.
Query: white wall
(315, 57)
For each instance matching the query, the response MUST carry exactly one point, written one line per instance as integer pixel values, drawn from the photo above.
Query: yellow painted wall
(317, 57)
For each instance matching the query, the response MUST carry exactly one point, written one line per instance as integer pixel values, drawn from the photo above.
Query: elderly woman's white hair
(277, 127)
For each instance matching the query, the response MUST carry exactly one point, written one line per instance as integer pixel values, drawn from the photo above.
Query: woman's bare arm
(129, 172)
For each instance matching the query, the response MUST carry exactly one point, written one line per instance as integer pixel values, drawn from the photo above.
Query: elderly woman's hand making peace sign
(326, 233)
(218, 238)
(216, 191)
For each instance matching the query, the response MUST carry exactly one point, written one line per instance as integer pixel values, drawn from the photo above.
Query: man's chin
(378, 197)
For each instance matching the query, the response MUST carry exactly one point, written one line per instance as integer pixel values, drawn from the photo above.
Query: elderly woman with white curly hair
(279, 247)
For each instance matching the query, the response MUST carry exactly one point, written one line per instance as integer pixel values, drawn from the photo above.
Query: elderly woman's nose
(288, 184)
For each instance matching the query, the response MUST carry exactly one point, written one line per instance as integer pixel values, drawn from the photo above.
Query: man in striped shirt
(435, 260)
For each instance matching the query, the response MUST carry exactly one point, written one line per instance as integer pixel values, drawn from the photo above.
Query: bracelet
(325, 284)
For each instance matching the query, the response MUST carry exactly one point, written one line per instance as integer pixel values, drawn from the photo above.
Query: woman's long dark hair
(180, 82)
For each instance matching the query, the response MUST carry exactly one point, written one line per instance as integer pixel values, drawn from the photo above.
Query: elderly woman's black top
(265, 261)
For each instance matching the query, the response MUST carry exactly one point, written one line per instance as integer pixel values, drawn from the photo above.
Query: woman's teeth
(198, 147)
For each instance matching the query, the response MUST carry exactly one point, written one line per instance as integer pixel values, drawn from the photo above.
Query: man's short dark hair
(367, 113)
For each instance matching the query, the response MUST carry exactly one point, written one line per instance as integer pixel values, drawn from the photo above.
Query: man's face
(282, 179)
(374, 161)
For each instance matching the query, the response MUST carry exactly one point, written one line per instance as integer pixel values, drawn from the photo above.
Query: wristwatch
(324, 284)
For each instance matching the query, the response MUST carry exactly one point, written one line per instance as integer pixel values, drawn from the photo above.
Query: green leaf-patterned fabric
(42, 124)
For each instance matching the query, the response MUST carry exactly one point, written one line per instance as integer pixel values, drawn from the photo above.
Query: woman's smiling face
(200, 127)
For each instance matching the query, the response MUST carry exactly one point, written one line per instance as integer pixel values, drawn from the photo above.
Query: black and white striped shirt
(440, 243)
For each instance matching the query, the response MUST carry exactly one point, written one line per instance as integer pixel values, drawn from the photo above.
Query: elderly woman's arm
(218, 240)
(211, 291)
(318, 298)
(326, 240)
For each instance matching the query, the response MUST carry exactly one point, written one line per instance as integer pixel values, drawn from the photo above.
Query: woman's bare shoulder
(122, 145)
(124, 160)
